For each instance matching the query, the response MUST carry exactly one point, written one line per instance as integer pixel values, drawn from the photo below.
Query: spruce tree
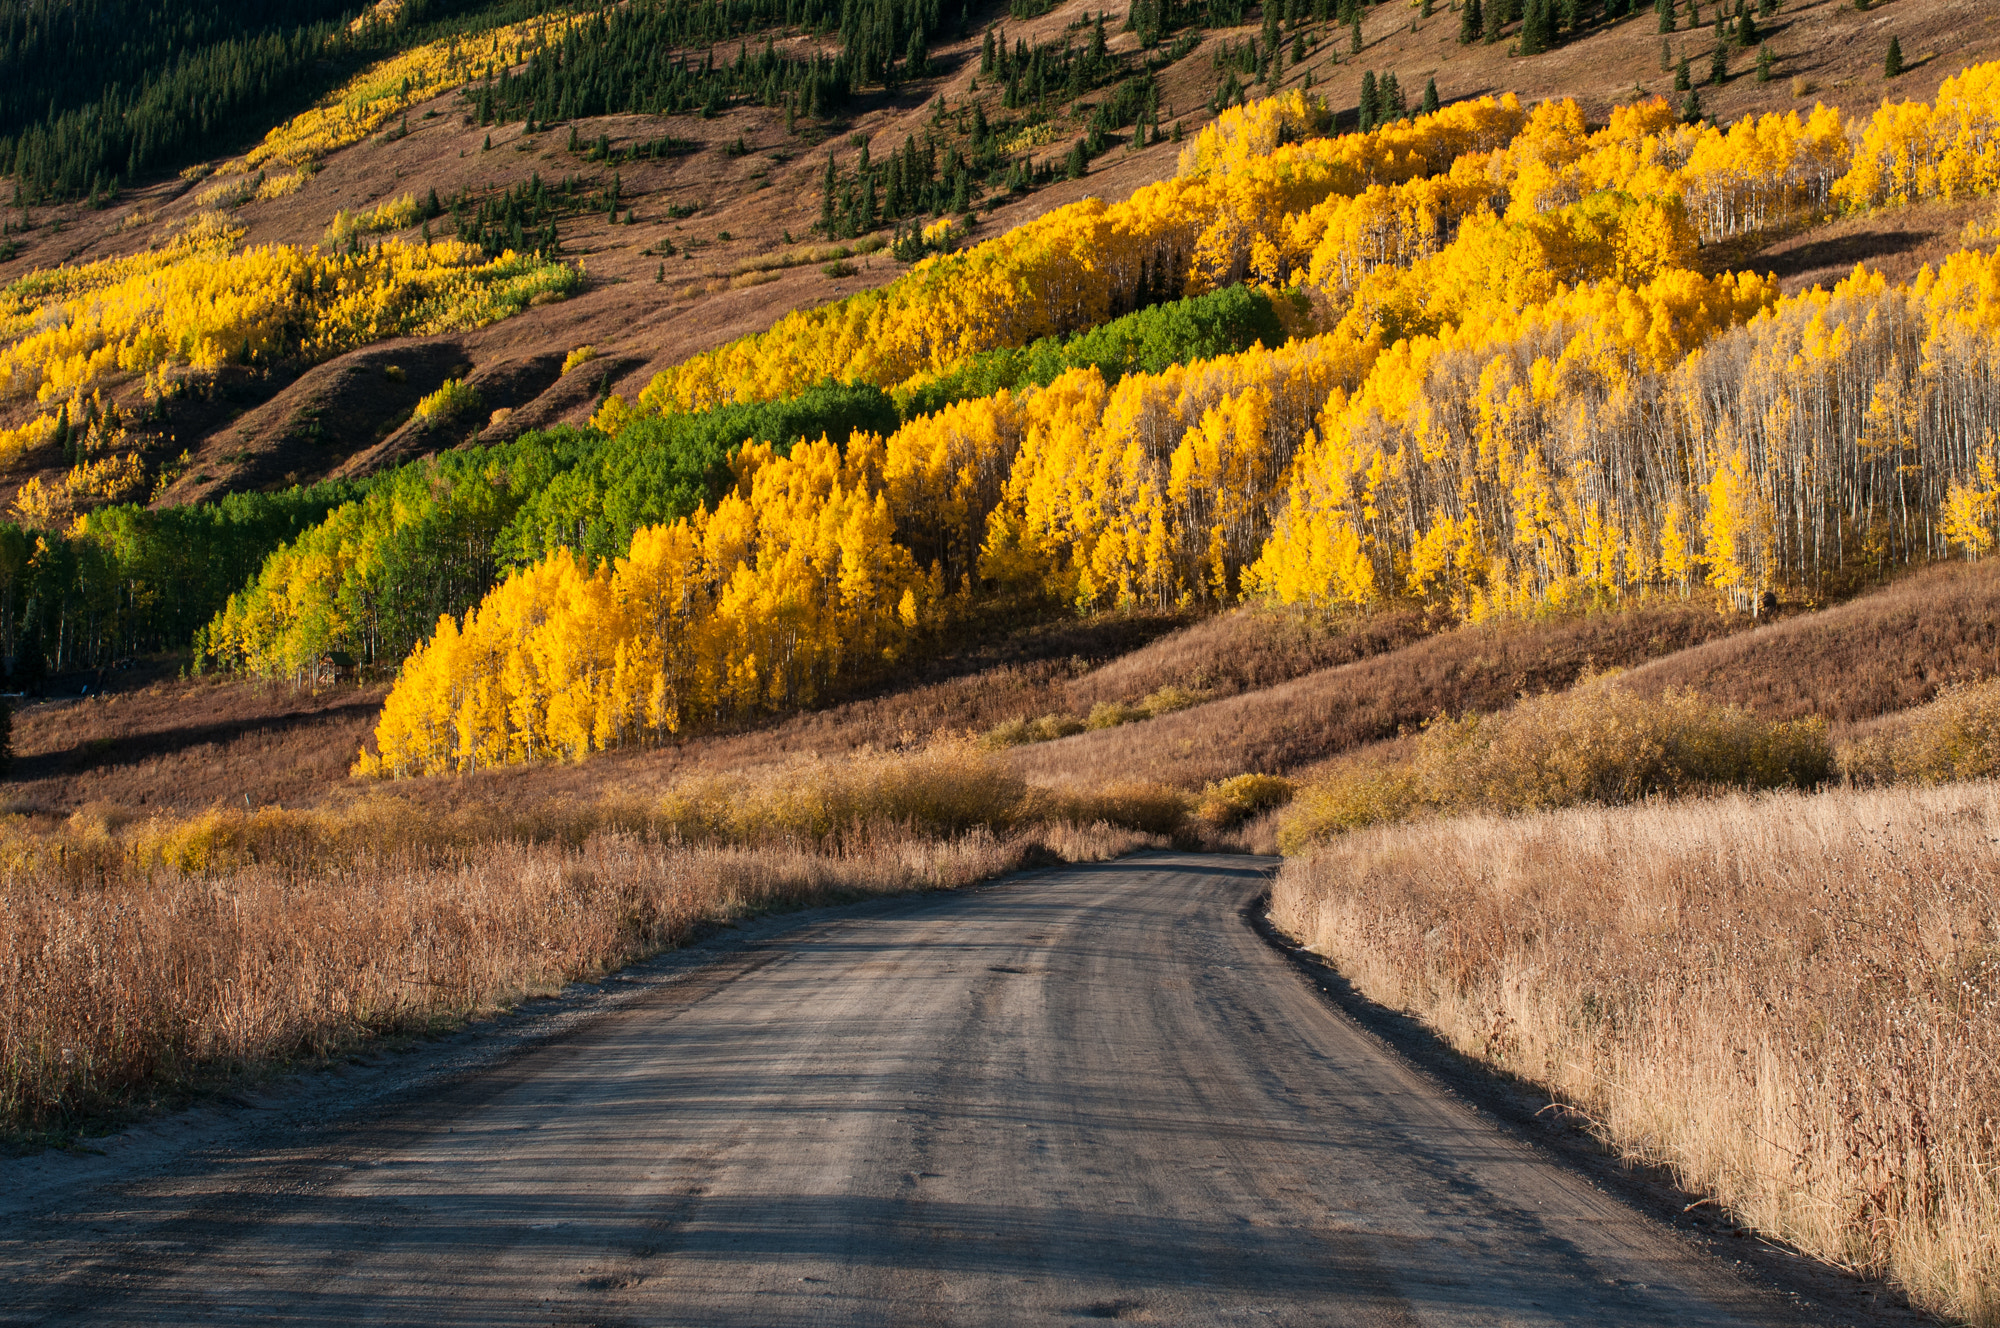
(1718, 64)
(1765, 61)
(1892, 64)
(1469, 23)
(1683, 80)
(1665, 9)
(1536, 34)
(1354, 34)
(1691, 108)
(1368, 101)
(1430, 103)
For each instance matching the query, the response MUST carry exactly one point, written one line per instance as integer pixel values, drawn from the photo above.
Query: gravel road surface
(1089, 1093)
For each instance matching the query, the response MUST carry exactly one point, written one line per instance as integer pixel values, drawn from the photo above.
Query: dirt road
(1089, 1093)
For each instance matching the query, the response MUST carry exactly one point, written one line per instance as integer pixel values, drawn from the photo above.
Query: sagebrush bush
(1596, 743)
(1103, 715)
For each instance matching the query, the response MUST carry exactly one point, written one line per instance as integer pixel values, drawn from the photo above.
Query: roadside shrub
(1955, 737)
(1232, 801)
(1596, 743)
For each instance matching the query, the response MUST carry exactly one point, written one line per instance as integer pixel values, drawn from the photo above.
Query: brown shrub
(1596, 743)
(1792, 1000)
(1955, 737)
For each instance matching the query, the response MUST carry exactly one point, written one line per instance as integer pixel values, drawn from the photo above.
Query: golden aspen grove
(1507, 388)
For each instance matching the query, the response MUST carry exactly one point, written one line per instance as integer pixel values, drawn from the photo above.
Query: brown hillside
(1243, 650)
(1295, 724)
(1886, 651)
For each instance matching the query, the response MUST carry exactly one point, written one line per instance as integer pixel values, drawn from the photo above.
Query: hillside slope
(748, 217)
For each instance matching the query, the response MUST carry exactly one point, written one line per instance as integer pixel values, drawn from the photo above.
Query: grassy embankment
(1790, 999)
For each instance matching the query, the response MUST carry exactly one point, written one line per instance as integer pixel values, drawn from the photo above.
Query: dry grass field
(1791, 1000)
(143, 959)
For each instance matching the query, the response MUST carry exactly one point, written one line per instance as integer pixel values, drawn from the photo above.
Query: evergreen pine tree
(1691, 108)
(1536, 36)
(1683, 80)
(1430, 103)
(1665, 9)
(1765, 61)
(1354, 34)
(1718, 64)
(1469, 23)
(1892, 64)
(1369, 106)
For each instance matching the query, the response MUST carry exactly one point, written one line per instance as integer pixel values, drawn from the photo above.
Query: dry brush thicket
(1597, 743)
(140, 959)
(1791, 1000)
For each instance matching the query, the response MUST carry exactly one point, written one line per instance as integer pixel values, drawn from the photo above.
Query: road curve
(1090, 1093)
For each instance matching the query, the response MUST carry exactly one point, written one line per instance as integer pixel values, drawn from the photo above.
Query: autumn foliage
(1507, 389)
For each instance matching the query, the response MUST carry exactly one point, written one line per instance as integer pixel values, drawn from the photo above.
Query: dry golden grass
(1595, 743)
(138, 958)
(1792, 1000)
